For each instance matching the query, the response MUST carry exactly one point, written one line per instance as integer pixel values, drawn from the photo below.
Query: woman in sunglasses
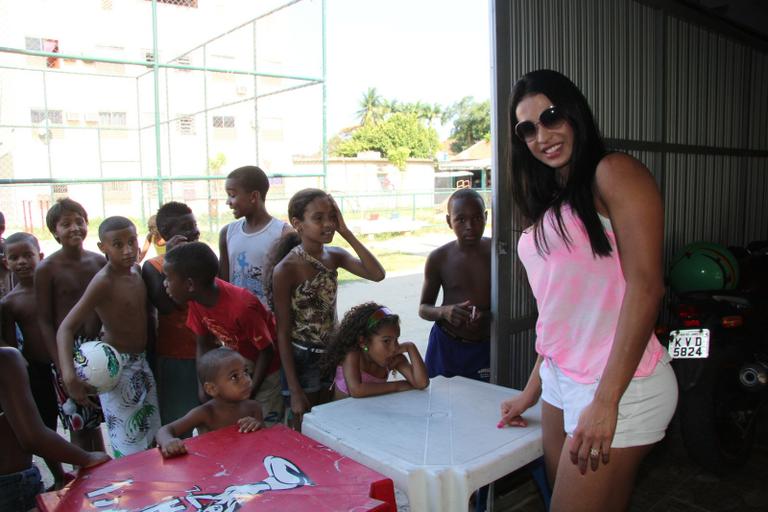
(592, 249)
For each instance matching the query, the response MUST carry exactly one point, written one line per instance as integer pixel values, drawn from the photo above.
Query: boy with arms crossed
(60, 281)
(23, 433)
(118, 296)
(245, 243)
(459, 343)
(175, 345)
(224, 314)
(226, 377)
(21, 329)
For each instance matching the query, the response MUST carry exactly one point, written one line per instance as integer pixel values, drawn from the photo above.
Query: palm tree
(432, 112)
(370, 107)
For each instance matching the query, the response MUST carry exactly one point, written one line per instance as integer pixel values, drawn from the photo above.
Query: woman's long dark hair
(535, 187)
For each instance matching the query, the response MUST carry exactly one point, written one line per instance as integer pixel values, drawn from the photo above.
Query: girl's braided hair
(354, 324)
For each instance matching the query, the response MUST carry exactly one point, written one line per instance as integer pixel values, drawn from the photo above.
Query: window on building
(38, 116)
(117, 186)
(186, 125)
(223, 121)
(41, 44)
(184, 61)
(180, 3)
(112, 119)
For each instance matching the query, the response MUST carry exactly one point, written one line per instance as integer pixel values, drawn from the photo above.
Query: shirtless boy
(118, 296)
(21, 329)
(22, 433)
(226, 377)
(60, 281)
(459, 343)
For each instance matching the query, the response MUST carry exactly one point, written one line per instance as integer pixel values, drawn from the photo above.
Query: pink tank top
(579, 298)
(341, 383)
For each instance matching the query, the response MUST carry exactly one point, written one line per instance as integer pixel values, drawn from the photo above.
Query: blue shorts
(18, 490)
(451, 357)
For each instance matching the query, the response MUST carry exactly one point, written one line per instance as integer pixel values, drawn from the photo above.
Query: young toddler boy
(175, 345)
(222, 313)
(245, 243)
(459, 343)
(23, 433)
(226, 377)
(118, 296)
(21, 329)
(60, 281)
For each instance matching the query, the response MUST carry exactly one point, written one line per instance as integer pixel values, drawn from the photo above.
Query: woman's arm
(359, 389)
(513, 408)
(628, 191)
(367, 266)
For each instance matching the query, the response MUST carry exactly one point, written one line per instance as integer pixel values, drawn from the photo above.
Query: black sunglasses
(551, 118)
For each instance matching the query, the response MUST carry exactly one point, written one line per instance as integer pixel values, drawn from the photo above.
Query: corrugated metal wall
(690, 103)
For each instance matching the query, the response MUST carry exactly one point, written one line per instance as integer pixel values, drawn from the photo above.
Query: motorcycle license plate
(689, 344)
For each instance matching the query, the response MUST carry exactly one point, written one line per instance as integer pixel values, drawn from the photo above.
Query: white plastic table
(438, 445)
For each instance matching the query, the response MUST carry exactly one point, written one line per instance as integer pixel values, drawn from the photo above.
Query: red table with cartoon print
(224, 471)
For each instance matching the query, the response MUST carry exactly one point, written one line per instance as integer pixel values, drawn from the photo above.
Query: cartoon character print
(248, 276)
(282, 475)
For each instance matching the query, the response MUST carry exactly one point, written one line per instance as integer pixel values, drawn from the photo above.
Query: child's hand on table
(249, 424)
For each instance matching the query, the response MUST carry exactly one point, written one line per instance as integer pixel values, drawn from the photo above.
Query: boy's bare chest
(126, 296)
(71, 280)
(224, 417)
(461, 271)
(23, 306)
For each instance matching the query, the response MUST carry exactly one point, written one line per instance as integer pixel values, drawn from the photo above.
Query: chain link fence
(125, 104)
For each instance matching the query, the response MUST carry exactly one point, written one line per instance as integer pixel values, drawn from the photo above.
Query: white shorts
(645, 408)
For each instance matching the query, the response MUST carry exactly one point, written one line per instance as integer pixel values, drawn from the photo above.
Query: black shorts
(43, 392)
(306, 359)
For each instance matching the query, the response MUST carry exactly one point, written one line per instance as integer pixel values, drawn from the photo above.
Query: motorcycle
(718, 340)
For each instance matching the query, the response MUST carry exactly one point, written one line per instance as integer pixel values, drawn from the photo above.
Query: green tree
(372, 107)
(471, 122)
(398, 137)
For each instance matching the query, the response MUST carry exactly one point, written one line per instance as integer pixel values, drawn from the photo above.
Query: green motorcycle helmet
(703, 266)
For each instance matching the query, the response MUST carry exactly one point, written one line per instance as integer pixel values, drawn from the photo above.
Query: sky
(435, 51)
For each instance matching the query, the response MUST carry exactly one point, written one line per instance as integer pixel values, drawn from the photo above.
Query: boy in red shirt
(223, 314)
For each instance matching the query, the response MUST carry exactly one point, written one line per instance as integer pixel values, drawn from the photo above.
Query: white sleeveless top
(248, 253)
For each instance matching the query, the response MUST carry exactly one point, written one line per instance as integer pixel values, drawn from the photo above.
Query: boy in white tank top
(245, 243)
